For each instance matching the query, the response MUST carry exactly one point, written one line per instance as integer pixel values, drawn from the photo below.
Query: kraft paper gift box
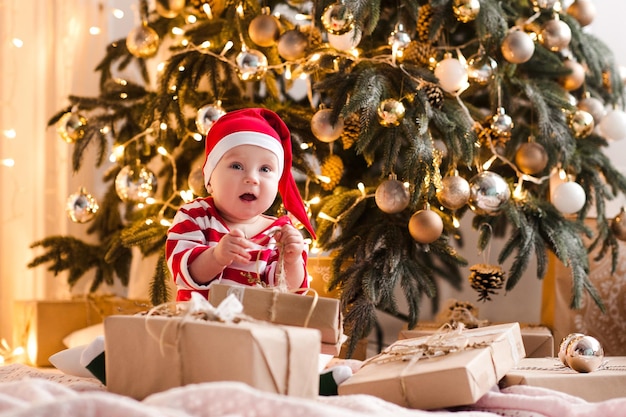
(41, 325)
(418, 373)
(538, 340)
(149, 354)
(289, 309)
(608, 382)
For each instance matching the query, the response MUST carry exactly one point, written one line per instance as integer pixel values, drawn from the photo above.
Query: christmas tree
(405, 116)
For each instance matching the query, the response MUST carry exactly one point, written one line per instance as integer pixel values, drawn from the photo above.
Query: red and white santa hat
(263, 128)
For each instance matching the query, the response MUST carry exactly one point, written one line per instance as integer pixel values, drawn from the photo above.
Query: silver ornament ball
(584, 354)
(81, 206)
(337, 19)
(489, 193)
(135, 183)
(207, 116)
(251, 65)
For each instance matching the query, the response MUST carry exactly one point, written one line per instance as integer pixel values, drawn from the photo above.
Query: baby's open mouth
(247, 197)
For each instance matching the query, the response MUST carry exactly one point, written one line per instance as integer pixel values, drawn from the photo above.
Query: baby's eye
(266, 169)
(236, 165)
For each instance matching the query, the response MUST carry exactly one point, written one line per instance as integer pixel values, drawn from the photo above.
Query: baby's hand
(232, 247)
(292, 243)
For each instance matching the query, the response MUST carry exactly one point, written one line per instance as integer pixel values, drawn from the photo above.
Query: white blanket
(30, 392)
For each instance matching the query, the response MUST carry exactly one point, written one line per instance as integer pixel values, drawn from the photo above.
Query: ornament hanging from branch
(489, 193)
(392, 196)
(486, 279)
(207, 115)
(71, 126)
(390, 112)
(425, 226)
(322, 127)
(264, 29)
(135, 183)
(517, 47)
(618, 225)
(454, 192)
(81, 207)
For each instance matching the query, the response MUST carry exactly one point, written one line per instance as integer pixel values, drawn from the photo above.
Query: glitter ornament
(517, 46)
(569, 197)
(337, 19)
(584, 11)
(264, 29)
(207, 115)
(81, 207)
(575, 79)
(555, 35)
(71, 127)
(390, 112)
(143, 41)
(452, 74)
(392, 196)
(466, 10)
(251, 65)
(489, 192)
(613, 125)
(618, 225)
(292, 45)
(169, 8)
(594, 107)
(425, 226)
(454, 192)
(322, 127)
(584, 354)
(486, 280)
(581, 123)
(135, 183)
(531, 158)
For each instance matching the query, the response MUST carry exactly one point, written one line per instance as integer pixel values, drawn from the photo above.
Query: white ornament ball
(613, 125)
(452, 74)
(517, 47)
(346, 41)
(569, 197)
(584, 11)
(555, 35)
(594, 107)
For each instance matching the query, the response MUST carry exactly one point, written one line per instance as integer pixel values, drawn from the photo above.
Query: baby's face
(244, 182)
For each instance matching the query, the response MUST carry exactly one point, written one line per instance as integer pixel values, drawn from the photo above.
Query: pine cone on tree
(434, 94)
(333, 169)
(419, 52)
(486, 279)
(351, 130)
(424, 16)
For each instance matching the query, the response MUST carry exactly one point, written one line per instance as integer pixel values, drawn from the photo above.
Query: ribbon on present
(229, 311)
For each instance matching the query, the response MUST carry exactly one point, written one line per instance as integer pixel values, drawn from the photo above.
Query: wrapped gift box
(603, 384)
(538, 340)
(403, 375)
(289, 309)
(40, 326)
(149, 354)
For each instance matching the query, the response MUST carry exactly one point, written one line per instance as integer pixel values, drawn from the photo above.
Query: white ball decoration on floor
(613, 125)
(452, 74)
(81, 206)
(392, 196)
(425, 226)
(489, 193)
(569, 197)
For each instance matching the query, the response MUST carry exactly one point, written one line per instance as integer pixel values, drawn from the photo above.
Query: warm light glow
(186, 195)
(161, 149)
(206, 7)
(305, 146)
(181, 68)
(240, 10)
(150, 200)
(288, 73)
(118, 153)
(9, 133)
(160, 66)
(17, 42)
(118, 13)
(315, 200)
(177, 31)
(192, 19)
(519, 193)
(491, 160)
(205, 45)
(8, 162)
(94, 30)
(149, 222)
(455, 222)
(562, 174)
(163, 126)
(197, 136)
(324, 179)
(165, 223)
(361, 188)
(123, 96)
(227, 48)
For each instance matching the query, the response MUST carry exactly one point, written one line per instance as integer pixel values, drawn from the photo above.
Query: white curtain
(57, 59)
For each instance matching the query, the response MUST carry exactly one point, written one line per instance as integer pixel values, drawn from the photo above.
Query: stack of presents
(272, 340)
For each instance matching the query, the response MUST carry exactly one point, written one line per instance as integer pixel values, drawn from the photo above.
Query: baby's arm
(232, 247)
(291, 248)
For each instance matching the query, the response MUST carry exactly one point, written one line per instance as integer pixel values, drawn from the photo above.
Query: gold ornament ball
(425, 226)
(555, 35)
(81, 207)
(71, 127)
(169, 8)
(337, 19)
(562, 354)
(251, 65)
(454, 192)
(392, 196)
(264, 30)
(322, 127)
(501, 124)
(390, 112)
(584, 354)
(581, 123)
(531, 158)
(292, 45)
(618, 225)
(517, 47)
(481, 68)
(143, 41)
(584, 11)
(575, 79)
(466, 10)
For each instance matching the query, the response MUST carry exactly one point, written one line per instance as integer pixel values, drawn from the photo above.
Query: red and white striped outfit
(197, 227)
